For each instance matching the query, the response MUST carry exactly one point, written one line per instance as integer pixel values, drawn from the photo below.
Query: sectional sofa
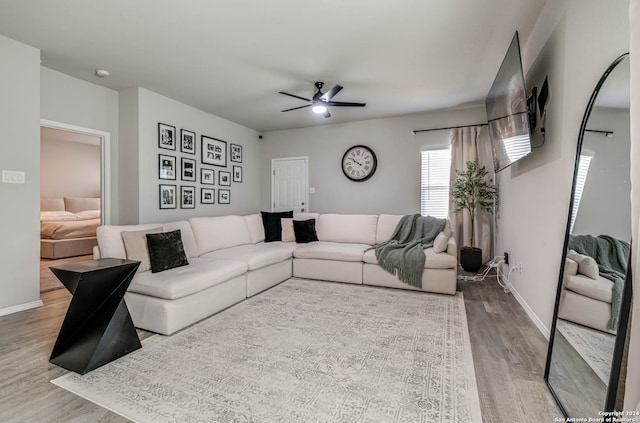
(229, 261)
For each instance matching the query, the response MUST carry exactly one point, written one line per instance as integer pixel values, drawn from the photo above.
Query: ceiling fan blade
(296, 108)
(343, 103)
(333, 91)
(327, 114)
(294, 96)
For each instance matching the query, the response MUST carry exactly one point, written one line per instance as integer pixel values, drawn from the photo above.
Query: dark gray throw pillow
(166, 251)
(305, 231)
(272, 225)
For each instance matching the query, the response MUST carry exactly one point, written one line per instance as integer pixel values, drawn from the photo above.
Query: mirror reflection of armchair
(586, 296)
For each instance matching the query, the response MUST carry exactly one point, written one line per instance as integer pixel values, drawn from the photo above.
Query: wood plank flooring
(509, 355)
(49, 281)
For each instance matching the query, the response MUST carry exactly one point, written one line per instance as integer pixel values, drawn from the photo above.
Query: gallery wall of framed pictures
(181, 165)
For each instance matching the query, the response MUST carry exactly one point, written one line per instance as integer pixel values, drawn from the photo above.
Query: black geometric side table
(97, 328)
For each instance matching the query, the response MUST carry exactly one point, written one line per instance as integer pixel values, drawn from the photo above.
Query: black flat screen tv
(507, 115)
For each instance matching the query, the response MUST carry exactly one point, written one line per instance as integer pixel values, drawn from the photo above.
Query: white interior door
(290, 184)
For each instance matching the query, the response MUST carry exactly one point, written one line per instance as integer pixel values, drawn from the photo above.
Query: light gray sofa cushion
(216, 233)
(348, 228)
(186, 280)
(324, 250)
(255, 226)
(598, 289)
(255, 256)
(433, 260)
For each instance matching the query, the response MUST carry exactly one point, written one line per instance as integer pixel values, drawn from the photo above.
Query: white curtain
(468, 144)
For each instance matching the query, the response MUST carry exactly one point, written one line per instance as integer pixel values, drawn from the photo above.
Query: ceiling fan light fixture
(319, 109)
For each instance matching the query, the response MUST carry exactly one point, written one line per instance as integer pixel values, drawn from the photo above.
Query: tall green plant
(472, 190)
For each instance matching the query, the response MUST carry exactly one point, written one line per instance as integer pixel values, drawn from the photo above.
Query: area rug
(303, 351)
(595, 347)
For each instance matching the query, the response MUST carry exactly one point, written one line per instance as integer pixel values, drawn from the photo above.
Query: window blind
(434, 197)
(583, 169)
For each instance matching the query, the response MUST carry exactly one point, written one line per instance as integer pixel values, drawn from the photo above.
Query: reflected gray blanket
(612, 256)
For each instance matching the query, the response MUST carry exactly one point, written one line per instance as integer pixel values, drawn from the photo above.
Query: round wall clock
(359, 163)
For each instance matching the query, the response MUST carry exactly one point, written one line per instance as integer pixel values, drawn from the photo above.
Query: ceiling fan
(321, 101)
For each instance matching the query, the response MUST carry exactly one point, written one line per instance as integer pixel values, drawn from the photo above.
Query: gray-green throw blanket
(612, 256)
(403, 254)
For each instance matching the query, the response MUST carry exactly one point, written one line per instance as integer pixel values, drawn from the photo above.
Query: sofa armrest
(452, 247)
(96, 252)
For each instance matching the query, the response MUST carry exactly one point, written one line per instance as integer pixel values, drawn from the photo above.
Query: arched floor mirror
(594, 286)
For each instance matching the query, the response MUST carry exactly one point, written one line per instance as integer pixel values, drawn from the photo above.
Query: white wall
(573, 42)
(69, 169)
(20, 150)
(394, 188)
(153, 108)
(605, 207)
(69, 100)
(127, 168)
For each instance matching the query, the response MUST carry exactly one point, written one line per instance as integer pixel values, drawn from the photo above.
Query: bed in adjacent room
(68, 226)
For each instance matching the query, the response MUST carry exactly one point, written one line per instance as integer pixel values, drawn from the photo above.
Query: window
(434, 197)
(583, 169)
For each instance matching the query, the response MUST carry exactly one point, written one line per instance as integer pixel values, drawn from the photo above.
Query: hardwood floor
(509, 355)
(48, 281)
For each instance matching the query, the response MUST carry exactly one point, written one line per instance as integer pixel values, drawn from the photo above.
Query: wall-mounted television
(507, 111)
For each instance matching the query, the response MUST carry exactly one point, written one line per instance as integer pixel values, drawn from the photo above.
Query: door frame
(105, 162)
(273, 173)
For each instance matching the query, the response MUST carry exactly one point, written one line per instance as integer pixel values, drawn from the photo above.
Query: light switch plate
(13, 177)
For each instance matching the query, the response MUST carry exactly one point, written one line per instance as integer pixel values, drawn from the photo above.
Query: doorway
(290, 184)
(74, 195)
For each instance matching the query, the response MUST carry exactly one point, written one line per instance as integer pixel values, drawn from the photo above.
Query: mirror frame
(612, 388)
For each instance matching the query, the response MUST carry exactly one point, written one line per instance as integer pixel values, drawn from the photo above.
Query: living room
(571, 43)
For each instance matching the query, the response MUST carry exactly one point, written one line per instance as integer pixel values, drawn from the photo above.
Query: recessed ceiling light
(318, 109)
(102, 73)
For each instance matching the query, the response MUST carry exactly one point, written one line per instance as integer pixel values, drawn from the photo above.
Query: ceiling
(231, 58)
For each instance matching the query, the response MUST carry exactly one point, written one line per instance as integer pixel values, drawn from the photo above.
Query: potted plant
(472, 191)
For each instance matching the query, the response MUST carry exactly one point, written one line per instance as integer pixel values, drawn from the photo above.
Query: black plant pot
(471, 259)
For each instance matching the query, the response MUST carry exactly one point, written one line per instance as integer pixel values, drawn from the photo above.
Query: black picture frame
(187, 141)
(236, 153)
(207, 196)
(166, 167)
(188, 169)
(237, 174)
(166, 136)
(213, 152)
(167, 196)
(224, 196)
(187, 197)
(207, 176)
(224, 179)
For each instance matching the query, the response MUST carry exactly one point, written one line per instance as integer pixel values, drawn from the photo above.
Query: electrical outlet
(518, 266)
(506, 258)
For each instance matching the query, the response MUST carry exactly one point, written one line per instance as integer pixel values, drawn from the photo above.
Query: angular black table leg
(97, 328)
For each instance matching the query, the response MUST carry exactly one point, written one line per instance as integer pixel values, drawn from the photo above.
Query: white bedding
(67, 225)
(62, 216)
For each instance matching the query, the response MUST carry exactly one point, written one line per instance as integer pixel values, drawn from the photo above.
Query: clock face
(359, 163)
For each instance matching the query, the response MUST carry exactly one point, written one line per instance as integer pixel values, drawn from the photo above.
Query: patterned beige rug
(303, 351)
(595, 347)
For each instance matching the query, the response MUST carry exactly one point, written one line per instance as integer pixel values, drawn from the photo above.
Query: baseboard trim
(21, 307)
(536, 321)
